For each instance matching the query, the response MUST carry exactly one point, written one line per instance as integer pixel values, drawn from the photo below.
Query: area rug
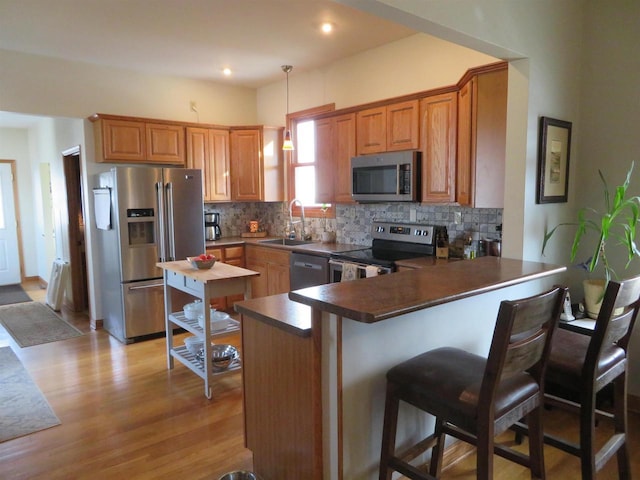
(13, 294)
(34, 323)
(23, 407)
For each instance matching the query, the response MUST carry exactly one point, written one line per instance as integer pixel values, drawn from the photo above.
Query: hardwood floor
(124, 414)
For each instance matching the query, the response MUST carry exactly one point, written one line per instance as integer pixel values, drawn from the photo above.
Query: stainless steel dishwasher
(308, 270)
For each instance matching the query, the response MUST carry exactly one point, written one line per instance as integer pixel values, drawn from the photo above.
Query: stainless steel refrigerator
(155, 214)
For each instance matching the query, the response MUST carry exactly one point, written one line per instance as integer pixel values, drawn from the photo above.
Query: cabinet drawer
(234, 252)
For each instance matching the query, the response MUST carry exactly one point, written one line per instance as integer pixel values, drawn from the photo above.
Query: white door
(9, 258)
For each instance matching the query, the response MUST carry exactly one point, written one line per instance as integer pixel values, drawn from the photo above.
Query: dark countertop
(378, 298)
(317, 248)
(279, 311)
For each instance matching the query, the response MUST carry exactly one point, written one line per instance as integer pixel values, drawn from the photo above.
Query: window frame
(291, 161)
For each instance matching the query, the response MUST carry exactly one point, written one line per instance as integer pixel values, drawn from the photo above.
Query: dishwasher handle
(302, 264)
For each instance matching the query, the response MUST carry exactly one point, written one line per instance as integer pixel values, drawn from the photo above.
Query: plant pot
(593, 294)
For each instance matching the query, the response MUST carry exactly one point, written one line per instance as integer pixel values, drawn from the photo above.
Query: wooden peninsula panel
(281, 381)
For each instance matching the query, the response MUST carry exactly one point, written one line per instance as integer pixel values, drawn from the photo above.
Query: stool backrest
(615, 322)
(521, 340)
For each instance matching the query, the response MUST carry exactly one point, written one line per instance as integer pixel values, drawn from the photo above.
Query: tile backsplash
(353, 221)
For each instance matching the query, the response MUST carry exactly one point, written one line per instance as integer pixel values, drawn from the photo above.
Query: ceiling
(194, 38)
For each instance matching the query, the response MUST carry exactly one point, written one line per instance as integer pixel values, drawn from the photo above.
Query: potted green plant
(614, 227)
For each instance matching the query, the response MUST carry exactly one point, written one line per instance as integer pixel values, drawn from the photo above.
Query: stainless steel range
(392, 241)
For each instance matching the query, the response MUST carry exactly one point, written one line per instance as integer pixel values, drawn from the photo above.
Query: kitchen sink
(287, 242)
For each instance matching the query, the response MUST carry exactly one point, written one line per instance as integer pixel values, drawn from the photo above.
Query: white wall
(610, 116)
(42, 86)
(417, 63)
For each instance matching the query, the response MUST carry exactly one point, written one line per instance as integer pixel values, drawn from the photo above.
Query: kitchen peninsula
(326, 350)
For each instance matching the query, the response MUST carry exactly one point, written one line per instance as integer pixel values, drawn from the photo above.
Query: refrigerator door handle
(162, 251)
(170, 225)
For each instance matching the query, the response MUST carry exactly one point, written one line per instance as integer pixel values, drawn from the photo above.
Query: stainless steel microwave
(386, 177)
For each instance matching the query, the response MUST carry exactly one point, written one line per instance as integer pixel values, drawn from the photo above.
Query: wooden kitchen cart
(221, 280)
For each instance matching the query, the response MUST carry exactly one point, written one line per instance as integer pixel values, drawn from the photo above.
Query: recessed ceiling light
(326, 27)
(226, 71)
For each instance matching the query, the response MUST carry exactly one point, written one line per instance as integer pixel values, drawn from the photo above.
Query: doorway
(11, 267)
(77, 251)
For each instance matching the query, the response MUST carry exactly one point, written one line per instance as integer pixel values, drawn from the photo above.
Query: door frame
(16, 206)
(77, 259)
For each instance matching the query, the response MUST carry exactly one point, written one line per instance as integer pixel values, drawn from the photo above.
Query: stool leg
(620, 413)
(389, 431)
(536, 444)
(484, 450)
(587, 434)
(437, 452)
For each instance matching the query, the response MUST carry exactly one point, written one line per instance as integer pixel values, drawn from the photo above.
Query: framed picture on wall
(553, 160)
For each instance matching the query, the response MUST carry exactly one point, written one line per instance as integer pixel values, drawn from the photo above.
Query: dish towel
(349, 272)
(371, 271)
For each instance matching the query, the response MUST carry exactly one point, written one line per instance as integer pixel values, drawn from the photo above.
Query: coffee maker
(212, 226)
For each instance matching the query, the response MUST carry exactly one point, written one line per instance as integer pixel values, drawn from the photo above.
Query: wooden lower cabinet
(273, 265)
(232, 255)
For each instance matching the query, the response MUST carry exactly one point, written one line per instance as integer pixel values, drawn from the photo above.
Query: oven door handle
(360, 266)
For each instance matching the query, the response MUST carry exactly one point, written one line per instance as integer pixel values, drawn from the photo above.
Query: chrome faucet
(303, 233)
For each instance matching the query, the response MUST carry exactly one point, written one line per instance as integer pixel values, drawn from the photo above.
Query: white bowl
(192, 310)
(194, 344)
(201, 316)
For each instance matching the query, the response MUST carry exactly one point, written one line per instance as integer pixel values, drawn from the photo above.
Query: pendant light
(287, 144)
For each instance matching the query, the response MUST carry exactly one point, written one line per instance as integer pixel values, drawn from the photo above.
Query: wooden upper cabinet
(388, 128)
(326, 162)
(465, 169)
(372, 130)
(120, 139)
(257, 169)
(438, 115)
(208, 150)
(165, 143)
(344, 134)
(402, 126)
(335, 145)
(482, 125)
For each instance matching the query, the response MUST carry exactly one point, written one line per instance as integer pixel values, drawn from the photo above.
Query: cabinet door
(402, 126)
(218, 166)
(465, 167)
(198, 153)
(234, 256)
(491, 139)
(344, 133)
(122, 140)
(438, 146)
(279, 278)
(482, 116)
(165, 143)
(371, 135)
(246, 165)
(219, 303)
(325, 160)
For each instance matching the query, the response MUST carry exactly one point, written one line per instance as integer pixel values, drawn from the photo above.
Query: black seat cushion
(446, 381)
(567, 357)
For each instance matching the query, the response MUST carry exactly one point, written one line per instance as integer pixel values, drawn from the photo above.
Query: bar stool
(475, 398)
(581, 365)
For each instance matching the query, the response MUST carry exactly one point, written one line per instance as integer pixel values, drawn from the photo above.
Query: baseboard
(95, 324)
